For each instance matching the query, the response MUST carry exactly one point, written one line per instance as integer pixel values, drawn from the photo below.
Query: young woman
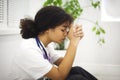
(37, 59)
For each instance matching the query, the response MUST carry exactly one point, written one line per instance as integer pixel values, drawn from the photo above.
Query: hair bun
(28, 29)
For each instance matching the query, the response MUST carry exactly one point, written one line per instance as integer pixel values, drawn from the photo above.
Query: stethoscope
(42, 48)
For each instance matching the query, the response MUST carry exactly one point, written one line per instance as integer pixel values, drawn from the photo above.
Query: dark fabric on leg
(76, 77)
(82, 72)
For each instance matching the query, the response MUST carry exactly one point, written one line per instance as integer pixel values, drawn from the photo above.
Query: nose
(66, 32)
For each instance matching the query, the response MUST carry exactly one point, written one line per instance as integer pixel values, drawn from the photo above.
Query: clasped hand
(75, 33)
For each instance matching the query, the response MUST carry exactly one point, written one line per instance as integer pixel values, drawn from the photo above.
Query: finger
(78, 34)
(82, 36)
(78, 28)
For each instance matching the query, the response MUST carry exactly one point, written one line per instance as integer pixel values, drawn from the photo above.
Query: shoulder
(28, 47)
(28, 43)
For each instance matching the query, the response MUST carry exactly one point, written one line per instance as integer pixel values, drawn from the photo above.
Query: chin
(59, 42)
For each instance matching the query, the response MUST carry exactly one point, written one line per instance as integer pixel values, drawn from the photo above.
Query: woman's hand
(75, 34)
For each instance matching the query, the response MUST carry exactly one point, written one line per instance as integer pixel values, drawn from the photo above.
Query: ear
(47, 31)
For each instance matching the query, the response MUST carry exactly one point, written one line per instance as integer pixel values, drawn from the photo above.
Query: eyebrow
(66, 24)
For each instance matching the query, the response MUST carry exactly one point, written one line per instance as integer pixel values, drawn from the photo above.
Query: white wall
(103, 61)
(110, 10)
(8, 47)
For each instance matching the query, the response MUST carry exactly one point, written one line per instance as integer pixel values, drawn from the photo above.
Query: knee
(77, 68)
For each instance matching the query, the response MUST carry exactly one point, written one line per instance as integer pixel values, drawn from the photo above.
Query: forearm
(64, 67)
(67, 62)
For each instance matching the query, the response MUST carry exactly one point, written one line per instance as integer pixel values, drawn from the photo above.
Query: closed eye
(63, 30)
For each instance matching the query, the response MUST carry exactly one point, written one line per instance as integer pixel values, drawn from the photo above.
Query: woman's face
(59, 33)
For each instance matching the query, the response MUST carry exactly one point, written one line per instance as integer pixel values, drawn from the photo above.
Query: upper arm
(55, 57)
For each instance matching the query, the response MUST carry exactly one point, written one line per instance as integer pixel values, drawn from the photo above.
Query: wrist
(73, 43)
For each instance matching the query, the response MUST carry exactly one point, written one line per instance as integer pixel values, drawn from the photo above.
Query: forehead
(63, 25)
(66, 24)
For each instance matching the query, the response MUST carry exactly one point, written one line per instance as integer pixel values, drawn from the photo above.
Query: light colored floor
(107, 77)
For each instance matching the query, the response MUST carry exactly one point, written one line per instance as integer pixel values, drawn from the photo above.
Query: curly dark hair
(46, 18)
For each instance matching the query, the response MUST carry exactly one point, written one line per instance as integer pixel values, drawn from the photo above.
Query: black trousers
(78, 73)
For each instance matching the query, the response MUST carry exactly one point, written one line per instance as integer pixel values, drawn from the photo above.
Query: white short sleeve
(33, 63)
(30, 63)
(53, 55)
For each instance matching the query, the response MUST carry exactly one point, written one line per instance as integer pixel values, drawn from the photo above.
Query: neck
(44, 39)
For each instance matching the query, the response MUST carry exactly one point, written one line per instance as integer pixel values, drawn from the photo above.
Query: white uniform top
(29, 63)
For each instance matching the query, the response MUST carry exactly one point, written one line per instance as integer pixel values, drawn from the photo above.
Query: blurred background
(103, 61)
(110, 10)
